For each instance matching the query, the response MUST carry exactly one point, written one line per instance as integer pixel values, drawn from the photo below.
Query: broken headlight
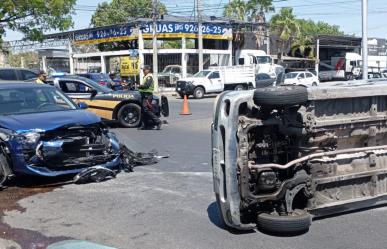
(31, 137)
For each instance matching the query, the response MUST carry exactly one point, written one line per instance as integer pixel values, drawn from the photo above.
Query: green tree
(303, 44)
(237, 9)
(24, 59)
(251, 10)
(286, 26)
(121, 11)
(33, 17)
(258, 9)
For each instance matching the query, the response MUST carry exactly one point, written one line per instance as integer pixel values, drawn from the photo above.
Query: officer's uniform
(146, 89)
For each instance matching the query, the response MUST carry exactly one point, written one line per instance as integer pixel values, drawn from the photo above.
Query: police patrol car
(123, 106)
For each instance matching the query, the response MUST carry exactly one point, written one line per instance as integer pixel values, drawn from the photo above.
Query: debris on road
(94, 174)
(129, 160)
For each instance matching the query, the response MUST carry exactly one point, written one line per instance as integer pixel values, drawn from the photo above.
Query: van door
(216, 84)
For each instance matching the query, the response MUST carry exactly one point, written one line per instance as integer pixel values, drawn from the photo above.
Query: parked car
(123, 106)
(264, 80)
(301, 78)
(103, 79)
(17, 74)
(44, 133)
(283, 155)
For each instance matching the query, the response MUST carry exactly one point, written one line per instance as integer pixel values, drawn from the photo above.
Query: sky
(344, 13)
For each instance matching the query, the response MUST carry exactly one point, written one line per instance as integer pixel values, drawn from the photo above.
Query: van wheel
(5, 170)
(239, 87)
(129, 115)
(198, 92)
(298, 222)
(280, 96)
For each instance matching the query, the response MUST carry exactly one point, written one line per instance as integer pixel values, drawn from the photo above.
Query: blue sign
(104, 35)
(163, 30)
(189, 30)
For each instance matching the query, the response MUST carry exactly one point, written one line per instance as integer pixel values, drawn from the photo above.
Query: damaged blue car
(44, 133)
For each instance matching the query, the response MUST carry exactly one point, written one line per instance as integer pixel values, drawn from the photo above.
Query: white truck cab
(216, 80)
(262, 62)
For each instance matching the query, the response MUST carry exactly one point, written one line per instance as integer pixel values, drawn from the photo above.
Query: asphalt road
(170, 204)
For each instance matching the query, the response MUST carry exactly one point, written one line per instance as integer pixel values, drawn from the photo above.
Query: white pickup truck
(216, 80)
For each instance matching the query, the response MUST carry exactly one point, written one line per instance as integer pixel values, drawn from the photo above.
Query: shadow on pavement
(215, 218)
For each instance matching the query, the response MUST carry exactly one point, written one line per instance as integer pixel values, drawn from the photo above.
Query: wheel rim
(199, 93)
(130, 115)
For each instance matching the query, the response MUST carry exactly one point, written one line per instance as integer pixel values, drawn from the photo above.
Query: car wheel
(239, 88)
(199, 92)
(298, 222)
(5, 170)
(314, 84)
(281, 96)
(129, 115)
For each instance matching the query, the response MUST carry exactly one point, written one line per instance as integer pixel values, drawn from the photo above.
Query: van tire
(280, 96)
(284, 224)
(199, 92)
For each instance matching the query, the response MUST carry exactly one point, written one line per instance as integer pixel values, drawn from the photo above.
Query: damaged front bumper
(68, 150)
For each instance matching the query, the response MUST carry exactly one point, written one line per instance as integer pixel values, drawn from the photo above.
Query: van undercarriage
(283, 155)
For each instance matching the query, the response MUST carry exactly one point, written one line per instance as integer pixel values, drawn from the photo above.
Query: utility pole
(317, 56)
(200, 34)
(154, 41)
(365, 38)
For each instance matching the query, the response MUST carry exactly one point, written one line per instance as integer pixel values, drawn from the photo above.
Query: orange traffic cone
(185, 109)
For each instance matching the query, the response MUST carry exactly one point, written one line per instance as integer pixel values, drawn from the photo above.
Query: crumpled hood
(48, 120)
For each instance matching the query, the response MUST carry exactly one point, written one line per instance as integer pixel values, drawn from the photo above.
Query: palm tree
(303, 44)
(258, 8)
(286, 26)
(237, 9)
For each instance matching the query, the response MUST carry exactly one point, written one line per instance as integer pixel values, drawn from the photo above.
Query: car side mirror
(298, 78)
(93, 94)
(83, 105)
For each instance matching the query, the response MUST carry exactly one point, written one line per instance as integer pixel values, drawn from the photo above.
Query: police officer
(146, 89)
(42, 77)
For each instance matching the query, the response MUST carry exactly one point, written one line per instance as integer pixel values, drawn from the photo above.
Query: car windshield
(33, 100)
(202, 74)
(96, 86)
(291, 75)
(263, 59)
(167, 69)
(101, 77)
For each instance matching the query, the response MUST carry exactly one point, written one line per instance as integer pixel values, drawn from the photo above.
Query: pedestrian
(146, 89)
(42, 77)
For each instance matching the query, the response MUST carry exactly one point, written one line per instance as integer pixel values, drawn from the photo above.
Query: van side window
(241, 61)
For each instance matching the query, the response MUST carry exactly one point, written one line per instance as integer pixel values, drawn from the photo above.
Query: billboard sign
(164, 30)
